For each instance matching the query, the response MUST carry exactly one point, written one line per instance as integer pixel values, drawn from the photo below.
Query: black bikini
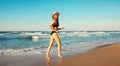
(56, 24)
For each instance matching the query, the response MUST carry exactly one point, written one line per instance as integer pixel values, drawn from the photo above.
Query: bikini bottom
(52, 32)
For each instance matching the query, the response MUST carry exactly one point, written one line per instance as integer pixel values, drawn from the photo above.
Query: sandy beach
(31, 60)
(102, 56)
(107, 55)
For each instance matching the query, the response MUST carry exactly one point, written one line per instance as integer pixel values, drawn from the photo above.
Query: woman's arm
(62, 28)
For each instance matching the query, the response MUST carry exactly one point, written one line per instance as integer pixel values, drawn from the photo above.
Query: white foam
(24, 51)
(33, 33)
(2, 34)
(78, 34)
(114, 32)
(99, 33)
(87, 33)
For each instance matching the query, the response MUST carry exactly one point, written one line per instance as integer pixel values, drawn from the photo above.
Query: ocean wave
(32, 50)
(70, 46)
(86, 33)
(45, 35)
(33, 33)
(115, 33)
(2, 34)
(26, 51)
(23, 51)
(99, 33)
(24, 37)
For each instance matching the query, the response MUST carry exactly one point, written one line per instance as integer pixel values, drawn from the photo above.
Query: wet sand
(102, 56)
(29, 60)
(108, 55)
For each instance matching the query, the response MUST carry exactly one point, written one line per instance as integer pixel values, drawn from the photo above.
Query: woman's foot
(47, 57)
(60, 56)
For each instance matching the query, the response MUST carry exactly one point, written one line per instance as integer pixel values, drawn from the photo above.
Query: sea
(20, 43)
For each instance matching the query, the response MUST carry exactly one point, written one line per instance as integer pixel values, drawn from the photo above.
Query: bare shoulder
(52, 22)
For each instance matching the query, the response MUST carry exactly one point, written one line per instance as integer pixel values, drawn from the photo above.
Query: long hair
(55, 13)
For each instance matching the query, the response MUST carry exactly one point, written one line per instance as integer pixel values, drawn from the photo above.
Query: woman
(54, 34)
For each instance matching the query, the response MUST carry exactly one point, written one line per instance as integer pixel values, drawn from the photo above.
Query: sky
(83, 15)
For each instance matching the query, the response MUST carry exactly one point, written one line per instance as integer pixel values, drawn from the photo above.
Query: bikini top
(56, 24)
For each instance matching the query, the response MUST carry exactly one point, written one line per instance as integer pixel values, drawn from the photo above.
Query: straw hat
(55, 13)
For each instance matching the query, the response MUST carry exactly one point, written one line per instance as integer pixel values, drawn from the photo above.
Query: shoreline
(96, 57)
(106, 55)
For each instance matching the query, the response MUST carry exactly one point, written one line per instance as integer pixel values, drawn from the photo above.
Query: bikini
(56, 24)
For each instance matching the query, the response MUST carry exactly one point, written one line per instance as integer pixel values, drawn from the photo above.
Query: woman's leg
(57, 39)
(50, 45)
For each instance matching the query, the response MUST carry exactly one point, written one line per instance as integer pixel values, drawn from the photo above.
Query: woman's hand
(62, 28)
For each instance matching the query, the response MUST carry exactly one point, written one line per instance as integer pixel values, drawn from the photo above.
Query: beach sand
(101, 56)
(30, 60)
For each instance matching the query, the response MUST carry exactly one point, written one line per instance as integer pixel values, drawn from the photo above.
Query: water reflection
(48, 61)
(60, 60)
